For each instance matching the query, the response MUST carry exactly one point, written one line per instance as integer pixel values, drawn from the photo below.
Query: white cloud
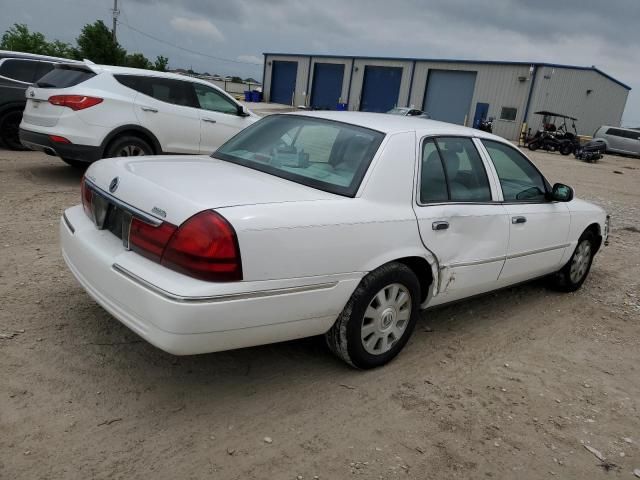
(251, 59)
(198, 26)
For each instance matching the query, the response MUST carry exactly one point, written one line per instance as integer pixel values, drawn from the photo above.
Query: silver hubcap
(386, 319)
(580, 261)
(131, 151)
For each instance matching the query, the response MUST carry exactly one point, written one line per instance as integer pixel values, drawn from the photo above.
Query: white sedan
(340, 224)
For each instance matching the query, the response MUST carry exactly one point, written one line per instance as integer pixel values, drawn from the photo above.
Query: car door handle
(516, 220)
(149, 109)
(440, 225)
(209, 120)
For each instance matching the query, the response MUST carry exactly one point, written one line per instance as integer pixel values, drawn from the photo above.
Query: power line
(188, 49)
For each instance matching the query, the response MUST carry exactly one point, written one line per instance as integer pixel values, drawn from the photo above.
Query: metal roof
(450, 60)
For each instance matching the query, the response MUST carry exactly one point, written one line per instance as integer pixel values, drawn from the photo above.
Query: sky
(233, 34)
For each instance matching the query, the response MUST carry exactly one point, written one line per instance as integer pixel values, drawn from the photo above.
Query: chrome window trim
(226, 297)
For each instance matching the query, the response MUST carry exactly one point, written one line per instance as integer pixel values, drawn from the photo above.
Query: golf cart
(555, 138)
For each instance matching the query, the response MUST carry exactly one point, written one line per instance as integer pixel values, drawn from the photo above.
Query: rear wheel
(378, 320)
(571, 277)
(9, 130)
(533, 146)
(128, 146)
(566, 149)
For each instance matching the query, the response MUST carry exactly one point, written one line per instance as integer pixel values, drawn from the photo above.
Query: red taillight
(149, 240)
(74, 102)
(205, 247)
(59, 139)
(87, 198)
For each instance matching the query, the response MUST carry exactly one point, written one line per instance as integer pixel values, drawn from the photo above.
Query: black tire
(567, 281)
(533, 146)
(10, 130)
(345, 336)
(566, 150)
(80, 165)
(134, 146)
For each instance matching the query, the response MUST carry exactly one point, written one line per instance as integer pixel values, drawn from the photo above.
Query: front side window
(331, 156)
(21, 70)
(519, 179)
(616, 132)
(210, 99)
(452, 170)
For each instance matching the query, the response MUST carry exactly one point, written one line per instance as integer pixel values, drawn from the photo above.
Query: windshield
(324, 154)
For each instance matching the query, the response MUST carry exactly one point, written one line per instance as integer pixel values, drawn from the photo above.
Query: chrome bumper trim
(223, 297)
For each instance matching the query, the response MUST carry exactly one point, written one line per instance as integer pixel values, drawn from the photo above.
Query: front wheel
(571, 277)
(566, 149)
(9, 130)
(379, 318)
(533, 146)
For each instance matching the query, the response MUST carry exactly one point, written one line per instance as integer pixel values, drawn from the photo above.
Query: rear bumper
(41, 142)
(174, 313)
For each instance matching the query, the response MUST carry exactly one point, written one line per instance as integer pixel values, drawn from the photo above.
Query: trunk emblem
(113, 186)
(32, 94)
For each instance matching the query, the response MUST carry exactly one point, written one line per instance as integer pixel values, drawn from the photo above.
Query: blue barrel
(256, 96)
(247, 95)
(342, 107)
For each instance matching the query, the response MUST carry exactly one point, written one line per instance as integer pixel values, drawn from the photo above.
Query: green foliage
(18, 38)
(161, 63)
(236, 79)
(138, 60)
(97, 44)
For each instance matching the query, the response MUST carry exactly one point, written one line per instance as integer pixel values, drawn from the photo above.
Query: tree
(236, 80)
(97, 44)
(138, 60)
(19, 38)
(161, 63)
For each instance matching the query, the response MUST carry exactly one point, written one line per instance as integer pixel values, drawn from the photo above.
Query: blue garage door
(283, 81)
(327, 85)
(380, 88)
(449, 94)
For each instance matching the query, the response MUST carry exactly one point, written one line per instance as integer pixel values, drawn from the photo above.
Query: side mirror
(242, 111)
(561, 193)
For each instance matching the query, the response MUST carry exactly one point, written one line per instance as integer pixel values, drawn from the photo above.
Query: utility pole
(116, 12)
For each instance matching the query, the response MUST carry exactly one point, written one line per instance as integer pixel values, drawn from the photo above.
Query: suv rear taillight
(74, 102)
(203, 247)
(87, 199)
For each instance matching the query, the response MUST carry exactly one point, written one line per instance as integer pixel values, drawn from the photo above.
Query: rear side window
(167, 90)
(616, 132)
(452, 170)
(64, 77)
(21, 70)
(519, 179)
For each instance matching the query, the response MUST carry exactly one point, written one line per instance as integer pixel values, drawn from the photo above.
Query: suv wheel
(378, 319)
(128, 146)
(10, 128)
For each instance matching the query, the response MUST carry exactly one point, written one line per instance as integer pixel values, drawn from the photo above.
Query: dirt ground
(510, 385)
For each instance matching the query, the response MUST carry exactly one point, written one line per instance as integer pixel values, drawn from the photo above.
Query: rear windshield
(64, 77)
(328, 155)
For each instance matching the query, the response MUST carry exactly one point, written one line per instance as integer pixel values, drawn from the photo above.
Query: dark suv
(18, 71)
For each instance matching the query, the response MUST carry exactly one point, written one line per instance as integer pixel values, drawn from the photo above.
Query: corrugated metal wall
(499, 85)
(564, 90)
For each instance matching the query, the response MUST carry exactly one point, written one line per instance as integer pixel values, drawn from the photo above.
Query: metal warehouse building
(457, 91)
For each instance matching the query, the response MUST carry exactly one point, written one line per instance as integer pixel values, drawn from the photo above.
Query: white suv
(84, 112)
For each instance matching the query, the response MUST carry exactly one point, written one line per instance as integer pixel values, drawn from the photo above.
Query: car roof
(34, 56)
(149, 73)
(388, 123)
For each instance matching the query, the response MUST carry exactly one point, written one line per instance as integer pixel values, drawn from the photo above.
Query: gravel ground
(514, 384)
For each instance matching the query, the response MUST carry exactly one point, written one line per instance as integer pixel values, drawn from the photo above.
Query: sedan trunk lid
(173, 188)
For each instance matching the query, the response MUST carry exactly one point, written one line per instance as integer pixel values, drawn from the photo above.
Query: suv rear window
(64, 77)
(18, 69)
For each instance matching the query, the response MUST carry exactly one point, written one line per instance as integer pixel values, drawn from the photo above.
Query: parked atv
(548, 141)
(591, 152)
(552, 138)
